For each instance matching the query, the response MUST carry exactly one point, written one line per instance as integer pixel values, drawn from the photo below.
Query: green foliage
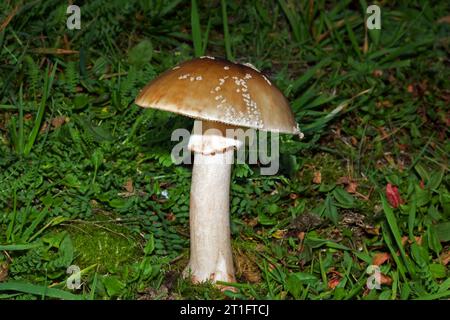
(86, 176)
(71, 76)
(196, 31)
(141, 53)
(226, 33)
(34, 75)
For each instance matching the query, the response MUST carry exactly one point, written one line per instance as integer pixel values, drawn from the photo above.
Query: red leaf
(393, 195)
(334, 279)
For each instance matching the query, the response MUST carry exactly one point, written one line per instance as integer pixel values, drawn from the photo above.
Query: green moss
(329, 167)
(106, 244)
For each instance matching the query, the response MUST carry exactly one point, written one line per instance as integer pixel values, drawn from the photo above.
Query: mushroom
(220, 95)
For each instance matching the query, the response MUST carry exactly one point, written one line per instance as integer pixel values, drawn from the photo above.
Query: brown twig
(9, 18)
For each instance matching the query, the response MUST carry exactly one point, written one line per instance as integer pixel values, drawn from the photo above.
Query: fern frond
(71, 76)
(33, 75)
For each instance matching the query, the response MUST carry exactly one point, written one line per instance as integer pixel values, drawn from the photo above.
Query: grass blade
(37, 290)
(20, 139)
(206, 35)
(226, 33)
(387, 239)
(37, 124)
(196, 31)
(412, 219)
(392, 221)
(9, 232)
(435, 296)
(18, 247)
(298, 84)
(294, 20)
(27, 234)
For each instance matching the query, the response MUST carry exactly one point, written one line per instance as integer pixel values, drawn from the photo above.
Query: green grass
(86, 176)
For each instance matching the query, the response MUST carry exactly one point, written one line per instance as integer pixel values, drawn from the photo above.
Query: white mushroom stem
(211, 257)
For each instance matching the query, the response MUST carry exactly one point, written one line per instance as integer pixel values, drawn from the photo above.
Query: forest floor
(86, 177)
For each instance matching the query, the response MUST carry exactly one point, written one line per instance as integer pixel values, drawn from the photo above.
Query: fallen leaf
(418, 240)
(343, 180)
(279, 234)
(333, 283)
(170, 216)
(445, 258)
(54, 51)
(351, 187)
(377, 73)
(251, 222)
(380, 258)
(317, 177)
(445, 19)
(129, 186)
(139, 16)
(405, 240)
(335, 278)
(384, 279)
(393, 195)
(373, 230)
(402, 146)
(293, 196)
(58, 121)
(384, 104)
(130, 191)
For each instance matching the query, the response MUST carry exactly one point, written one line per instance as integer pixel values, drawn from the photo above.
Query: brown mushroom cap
(215, 89)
